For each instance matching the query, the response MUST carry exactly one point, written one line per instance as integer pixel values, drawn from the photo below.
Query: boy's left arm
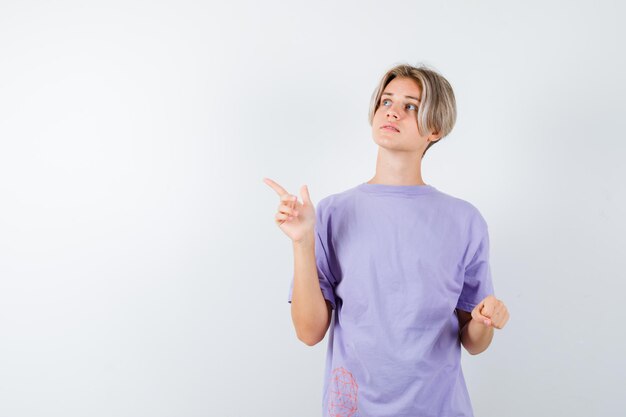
(477, 327)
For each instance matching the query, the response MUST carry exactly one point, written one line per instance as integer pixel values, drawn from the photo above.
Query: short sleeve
(477, 282)
(322, 246)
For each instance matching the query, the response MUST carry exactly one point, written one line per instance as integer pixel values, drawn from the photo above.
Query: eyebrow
(414, 98)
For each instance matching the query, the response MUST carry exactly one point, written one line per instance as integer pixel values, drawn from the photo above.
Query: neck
(397, 168)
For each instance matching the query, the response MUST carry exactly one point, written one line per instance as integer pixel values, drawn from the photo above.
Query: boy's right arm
(310, 311)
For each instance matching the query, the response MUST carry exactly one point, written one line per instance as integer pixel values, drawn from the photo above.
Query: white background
(141, 271)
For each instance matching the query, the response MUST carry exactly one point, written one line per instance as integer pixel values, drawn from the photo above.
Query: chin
(388, 143)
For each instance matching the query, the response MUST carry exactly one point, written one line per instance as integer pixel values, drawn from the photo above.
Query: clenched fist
(491, 312)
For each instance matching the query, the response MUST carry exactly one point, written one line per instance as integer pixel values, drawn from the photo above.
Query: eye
(408, 104)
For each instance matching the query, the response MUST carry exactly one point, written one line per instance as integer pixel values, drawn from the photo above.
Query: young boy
(402, 267)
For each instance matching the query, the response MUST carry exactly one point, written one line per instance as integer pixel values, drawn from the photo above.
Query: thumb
(487, 310)
(304, 193)
(477, 314)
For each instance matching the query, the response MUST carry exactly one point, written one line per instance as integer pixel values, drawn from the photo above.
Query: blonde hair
(437, 109)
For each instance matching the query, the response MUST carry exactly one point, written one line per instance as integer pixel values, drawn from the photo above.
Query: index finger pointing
(279, 190)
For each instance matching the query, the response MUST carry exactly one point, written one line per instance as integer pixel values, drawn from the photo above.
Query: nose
(391, 112)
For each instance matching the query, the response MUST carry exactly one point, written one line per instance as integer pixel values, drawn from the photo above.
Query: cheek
(413, 127)
(379, 119)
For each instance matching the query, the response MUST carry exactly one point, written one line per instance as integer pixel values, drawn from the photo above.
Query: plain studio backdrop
(141, 271)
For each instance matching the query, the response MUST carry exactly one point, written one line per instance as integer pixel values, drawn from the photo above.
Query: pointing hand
(296, 219)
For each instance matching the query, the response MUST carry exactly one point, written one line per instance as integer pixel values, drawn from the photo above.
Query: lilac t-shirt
(396, 261)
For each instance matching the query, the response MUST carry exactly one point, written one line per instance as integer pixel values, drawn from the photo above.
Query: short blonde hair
(437, 109)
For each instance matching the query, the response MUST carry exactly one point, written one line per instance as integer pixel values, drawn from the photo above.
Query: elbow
(475, 352)
(310, 339)
(309, 342)
(310, 332)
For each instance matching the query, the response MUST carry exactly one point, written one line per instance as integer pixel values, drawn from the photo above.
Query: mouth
(390, 128)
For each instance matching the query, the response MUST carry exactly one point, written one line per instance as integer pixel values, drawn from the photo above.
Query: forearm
(476, 337)
(308, 306)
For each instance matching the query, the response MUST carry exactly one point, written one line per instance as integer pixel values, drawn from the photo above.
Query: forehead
(404, 86)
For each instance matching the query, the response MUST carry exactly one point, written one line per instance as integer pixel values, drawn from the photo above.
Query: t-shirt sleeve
(322, 246)
(477, 282)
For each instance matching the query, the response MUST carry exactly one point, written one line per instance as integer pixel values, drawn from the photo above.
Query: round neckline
(396, 189)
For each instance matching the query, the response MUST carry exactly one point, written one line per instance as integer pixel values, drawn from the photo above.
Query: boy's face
(400, 111)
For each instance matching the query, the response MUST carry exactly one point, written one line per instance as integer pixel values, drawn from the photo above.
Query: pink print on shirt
(343, 390)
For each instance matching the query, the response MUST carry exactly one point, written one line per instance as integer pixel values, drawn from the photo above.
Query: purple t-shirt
(396, 261)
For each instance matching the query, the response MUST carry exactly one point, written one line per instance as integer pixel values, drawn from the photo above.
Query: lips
(391, 127)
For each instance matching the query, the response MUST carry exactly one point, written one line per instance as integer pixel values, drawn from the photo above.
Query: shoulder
(467, 212)
(330, 210)
(336, 200)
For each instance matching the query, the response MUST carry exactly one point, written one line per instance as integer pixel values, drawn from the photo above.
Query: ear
(434, 137)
